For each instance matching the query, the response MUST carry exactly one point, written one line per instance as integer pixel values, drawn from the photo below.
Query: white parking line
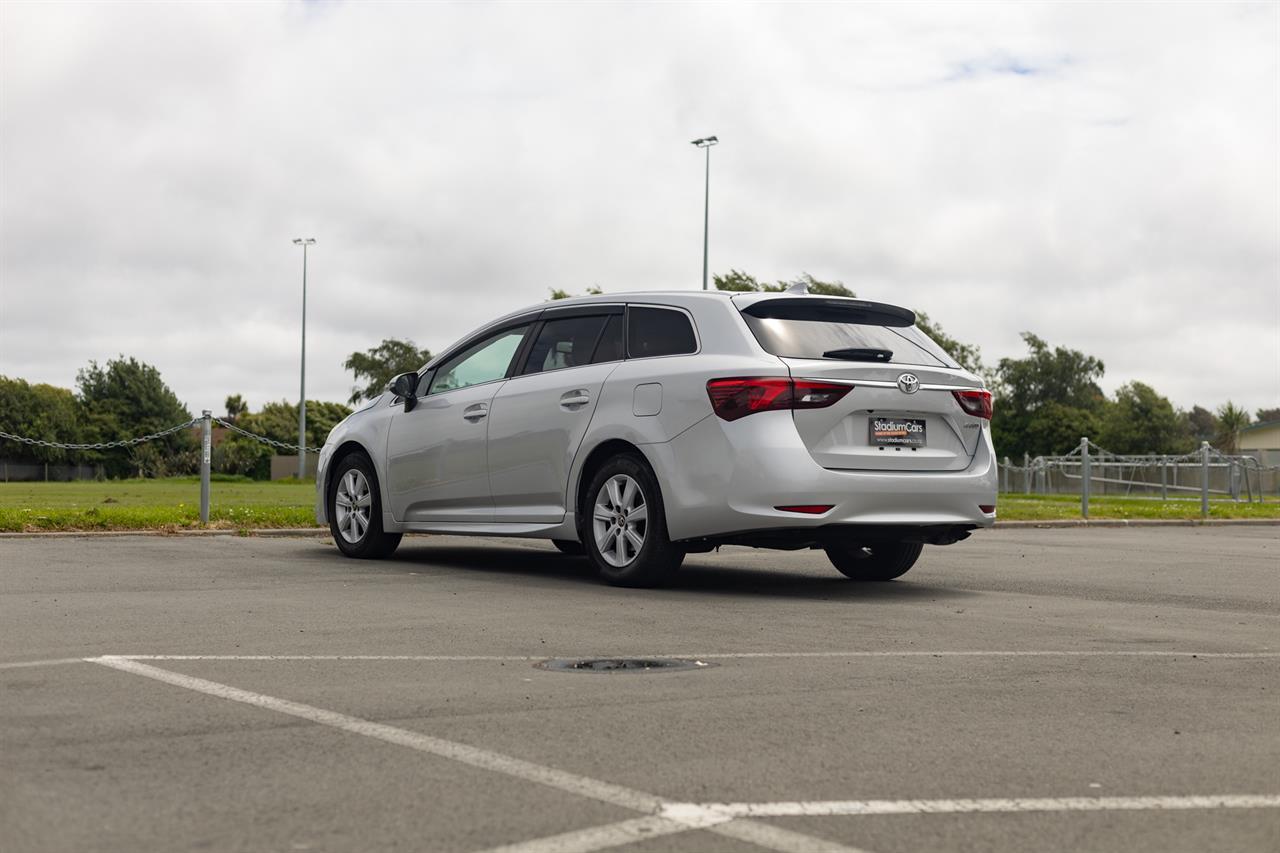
(1101, 653)
(680, 817)
(984, 806)
(763, 835)
(22, 664)
(602, 837)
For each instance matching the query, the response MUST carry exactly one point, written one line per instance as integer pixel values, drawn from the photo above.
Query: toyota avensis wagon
(637, 428)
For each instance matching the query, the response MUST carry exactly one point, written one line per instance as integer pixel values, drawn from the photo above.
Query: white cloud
(1103, 175)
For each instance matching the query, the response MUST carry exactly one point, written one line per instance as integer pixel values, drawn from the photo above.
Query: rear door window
(567, 342)
(863, 332)
(613, 344)
(659, 331)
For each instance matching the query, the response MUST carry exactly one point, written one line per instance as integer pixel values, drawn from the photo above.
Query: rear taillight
(741, 396)
(976, 403)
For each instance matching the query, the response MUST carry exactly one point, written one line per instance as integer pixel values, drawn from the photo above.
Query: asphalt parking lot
(1109, 690)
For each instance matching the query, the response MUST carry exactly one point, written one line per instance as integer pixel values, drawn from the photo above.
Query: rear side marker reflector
(976, 403)
(989, 509)
(807, 509)
(738, 397)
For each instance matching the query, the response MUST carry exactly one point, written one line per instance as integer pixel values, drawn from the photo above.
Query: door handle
(572, 399)
(476, 412)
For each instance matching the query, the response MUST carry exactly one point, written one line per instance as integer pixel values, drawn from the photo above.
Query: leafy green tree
(741, 282)
(1202, 425)
(236, 406)
(1264, 416)
(1055, 429)
(1141, 421)
(561, 293)
(127, 398)
(279, 421)
(378, 366)
(1231, 419)
(38, 411)
(967, 356)
(1027, 386)
(736, 281)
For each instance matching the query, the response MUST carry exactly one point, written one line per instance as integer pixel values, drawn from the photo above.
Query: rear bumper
(721, 478)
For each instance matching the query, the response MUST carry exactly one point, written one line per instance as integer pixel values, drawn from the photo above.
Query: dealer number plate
(895, 432)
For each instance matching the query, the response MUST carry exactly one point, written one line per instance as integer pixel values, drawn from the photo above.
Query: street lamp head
(706, 142)
(303, 241)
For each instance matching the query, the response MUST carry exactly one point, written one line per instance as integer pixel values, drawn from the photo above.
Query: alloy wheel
(620, 520)
(352, 504)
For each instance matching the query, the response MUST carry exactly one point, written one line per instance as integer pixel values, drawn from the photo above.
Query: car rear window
(795, 328)
(659, 331)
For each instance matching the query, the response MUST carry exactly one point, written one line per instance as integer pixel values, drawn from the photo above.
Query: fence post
(1026, 473)
(206, 446)
(1084, 477)
(1164, 478)
(1005, 478)
(1204, 479)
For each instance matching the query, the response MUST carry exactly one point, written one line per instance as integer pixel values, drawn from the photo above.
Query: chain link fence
(205, 422)
(1093, 471)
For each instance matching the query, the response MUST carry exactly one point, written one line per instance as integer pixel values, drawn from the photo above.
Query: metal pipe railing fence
(1093, 471)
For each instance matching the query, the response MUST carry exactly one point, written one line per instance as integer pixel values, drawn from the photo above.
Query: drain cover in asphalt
(622, 665)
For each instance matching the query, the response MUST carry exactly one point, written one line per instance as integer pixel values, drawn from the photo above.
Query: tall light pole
(706, 142)
(304, 242)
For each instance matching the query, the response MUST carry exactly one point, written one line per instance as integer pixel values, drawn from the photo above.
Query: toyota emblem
(908, 383)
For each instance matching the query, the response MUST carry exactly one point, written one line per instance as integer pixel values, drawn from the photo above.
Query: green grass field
(155, 504)
(174, 504)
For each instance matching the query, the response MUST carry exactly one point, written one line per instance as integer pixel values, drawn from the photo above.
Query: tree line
(126, 398)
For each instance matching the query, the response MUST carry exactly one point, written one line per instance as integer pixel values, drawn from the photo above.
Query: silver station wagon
(637, 428)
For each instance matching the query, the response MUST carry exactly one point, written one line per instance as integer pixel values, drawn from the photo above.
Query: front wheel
(625, 528)
(355, 510)
(880, 561)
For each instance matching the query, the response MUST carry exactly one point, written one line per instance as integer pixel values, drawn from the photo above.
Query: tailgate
(885, 425)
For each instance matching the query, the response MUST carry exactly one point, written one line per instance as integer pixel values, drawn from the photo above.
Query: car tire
(623, 525)
(569, 547)
(354, 505)
(880, 561)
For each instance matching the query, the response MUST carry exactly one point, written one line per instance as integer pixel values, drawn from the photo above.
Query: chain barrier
(101, 445)
(131, 442)
(262, 438)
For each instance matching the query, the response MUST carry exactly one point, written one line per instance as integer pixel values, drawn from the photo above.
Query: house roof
(1262, 425)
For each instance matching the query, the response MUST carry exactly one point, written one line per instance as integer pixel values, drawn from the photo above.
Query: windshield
(855, 334)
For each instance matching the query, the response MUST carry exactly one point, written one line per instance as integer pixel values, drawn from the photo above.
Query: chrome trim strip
(881, 383)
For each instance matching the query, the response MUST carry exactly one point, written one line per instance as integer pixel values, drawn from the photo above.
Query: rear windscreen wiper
(859, 354)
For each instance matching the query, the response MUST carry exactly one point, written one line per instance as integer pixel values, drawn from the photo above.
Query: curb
(304, 532)
(267, 532)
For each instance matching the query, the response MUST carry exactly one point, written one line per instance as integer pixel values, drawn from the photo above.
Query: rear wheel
(355, 510)
(625, 529)
(880, 561)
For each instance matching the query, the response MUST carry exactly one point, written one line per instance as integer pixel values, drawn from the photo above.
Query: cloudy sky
(1104, 175)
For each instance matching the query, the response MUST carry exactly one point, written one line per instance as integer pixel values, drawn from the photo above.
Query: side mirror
(405, 386)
